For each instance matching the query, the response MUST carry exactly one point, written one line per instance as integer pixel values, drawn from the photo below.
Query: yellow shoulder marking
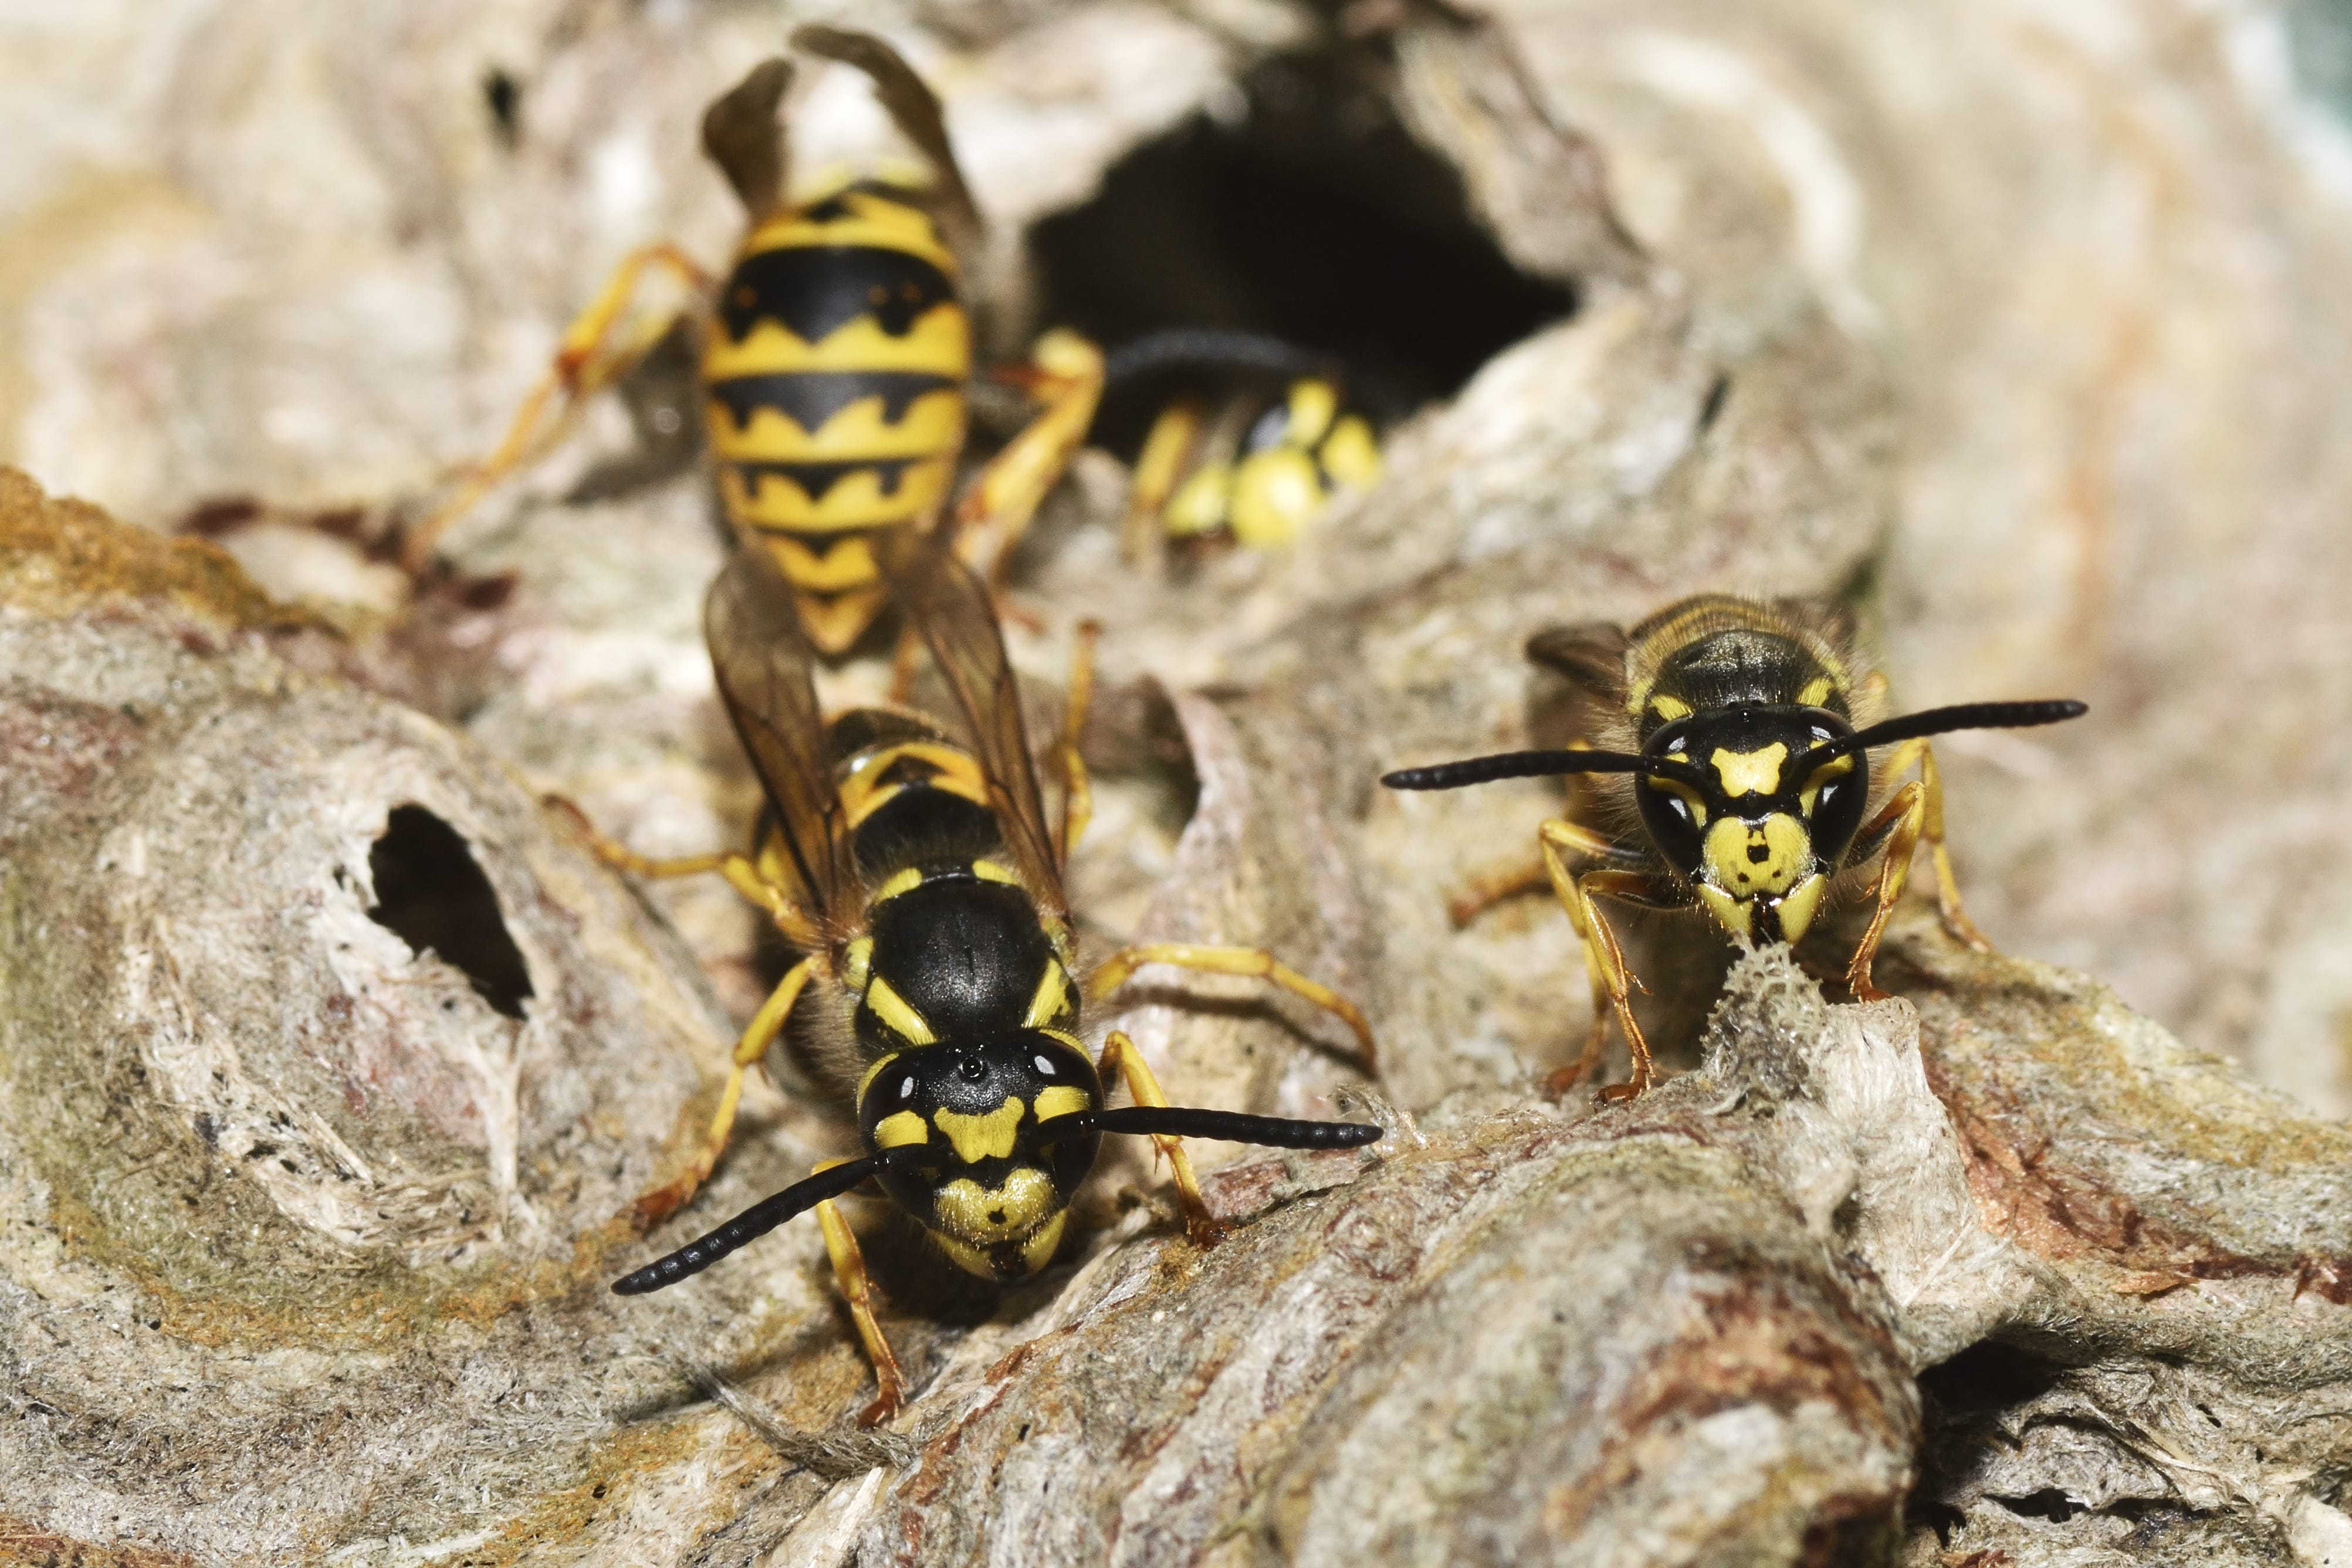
(990, 871)
(896, 1015)
(1750, 772)
(899, 882)
(900, 1127)
(1053, 998)
(982, 1138)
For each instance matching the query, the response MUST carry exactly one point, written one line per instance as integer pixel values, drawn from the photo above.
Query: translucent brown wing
(1592, 656)
(762, 660)
(946, 602)
(741, 134)
(915, 109)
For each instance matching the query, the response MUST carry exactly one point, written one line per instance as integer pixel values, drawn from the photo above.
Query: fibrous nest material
(333, 1060)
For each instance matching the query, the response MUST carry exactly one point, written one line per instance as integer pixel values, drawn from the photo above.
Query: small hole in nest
(431, 890)
(1310, 214)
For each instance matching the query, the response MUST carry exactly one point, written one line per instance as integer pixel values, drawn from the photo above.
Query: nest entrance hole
(1304, 210)
(431, 890)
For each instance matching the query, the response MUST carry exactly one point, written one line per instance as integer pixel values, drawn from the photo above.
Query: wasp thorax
(997, 1200)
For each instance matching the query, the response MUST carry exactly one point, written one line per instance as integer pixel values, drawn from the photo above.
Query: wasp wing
(945, 599)
(762, 660)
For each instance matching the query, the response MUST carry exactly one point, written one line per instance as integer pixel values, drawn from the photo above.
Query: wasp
(1736, 781)
(920, 878)
(835, 357)
(1254, 470)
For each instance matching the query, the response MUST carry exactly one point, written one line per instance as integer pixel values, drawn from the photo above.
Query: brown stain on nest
(388, 1311)
(21, 1541)
(62, 557)
(1750, 1340)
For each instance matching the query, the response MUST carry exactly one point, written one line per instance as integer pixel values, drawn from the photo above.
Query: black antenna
(767, 1213)
(1233, 1127)
(1944, 720)
(1538, 765)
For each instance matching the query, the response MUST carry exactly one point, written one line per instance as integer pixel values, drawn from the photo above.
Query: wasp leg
(583, 365)
(1167, 452)
(1077, 791)
(741, 871)
(1119, 1052)
(665, 1200)
(1481, 894)
(1897, 825)
(1931, 828)
(849, 1274)
(1066, 374)
(1255, 962)
(1604, 958)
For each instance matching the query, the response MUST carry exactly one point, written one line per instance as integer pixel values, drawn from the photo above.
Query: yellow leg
(1482, 894)
(1119, 1053)
(1605, 959)
(1066, 374)
(741, 871)
(1931, 828)
(1167, 452)
(585, 364)
(1077, 792)
(849, 1274)
(665, 1200)
(1255, 962)
(1900, 822)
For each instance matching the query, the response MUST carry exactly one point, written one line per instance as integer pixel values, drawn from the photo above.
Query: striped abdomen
(835, 377)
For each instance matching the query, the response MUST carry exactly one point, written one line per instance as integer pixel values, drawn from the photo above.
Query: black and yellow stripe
(835, 392)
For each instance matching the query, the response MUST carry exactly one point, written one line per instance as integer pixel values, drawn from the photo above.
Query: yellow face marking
(1053, 998)
(990, 871)
(1669, 708)
(1350, 454)
(1035, 1252)
(1834, 767)
(896, 1015)
(1312, 407)
(1750, 772)
(1061, 1099)
(1690, 797)
(1731, 914)
(1797, 910)
(982, 1138)
(857, 966)
(874, 1072)
(1767, 858)
(1275, 494)
(900, 1127)
(899, 882)
(979, 1216)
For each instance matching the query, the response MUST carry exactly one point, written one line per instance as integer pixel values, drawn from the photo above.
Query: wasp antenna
(1233, 1127)
(1961, 715)
(1212, 348)
(1515, 764)
(766, 1215)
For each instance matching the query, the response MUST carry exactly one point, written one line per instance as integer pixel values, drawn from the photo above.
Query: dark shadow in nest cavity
(430, 890)
(1311, 214)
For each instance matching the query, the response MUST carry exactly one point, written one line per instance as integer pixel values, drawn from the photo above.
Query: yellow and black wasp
(835, 357)
(1741, 785)
(1256, 469)
(920, 880)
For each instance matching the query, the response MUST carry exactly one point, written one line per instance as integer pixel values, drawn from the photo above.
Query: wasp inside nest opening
(1285, 265)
